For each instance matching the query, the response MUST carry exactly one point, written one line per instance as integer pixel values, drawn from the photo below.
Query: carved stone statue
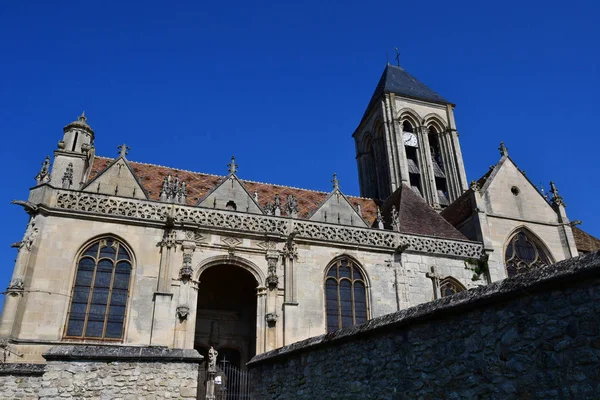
(212, 359)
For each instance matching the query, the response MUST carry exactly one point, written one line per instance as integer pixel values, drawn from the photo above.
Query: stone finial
(291, 206)
(173, 190)
(67, 179)
(395, 219)
(256, 196)
(379, 218)
(556, 198)
(82, 117)
(277, 205)
(123, 150)
(44, 175)
(233, 167)
(503, 149)
(335, 182)
(269, 209)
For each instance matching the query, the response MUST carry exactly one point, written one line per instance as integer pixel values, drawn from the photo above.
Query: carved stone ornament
(271, 318)
(15, 287)
(379, 219)
(272, 279)
(186, 272)
(144, 210)
(395, 219)
(173, 190)
(269, 209)
(44, 175)
(290, 249)
(29, 237)
(212, 359)
(67, 179)
(182, 312)
(474, 186)
(556, 198)
(277, 206)
(291, 206)
(169, 238)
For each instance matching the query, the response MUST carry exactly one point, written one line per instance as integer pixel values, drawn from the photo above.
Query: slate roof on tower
(396, 79)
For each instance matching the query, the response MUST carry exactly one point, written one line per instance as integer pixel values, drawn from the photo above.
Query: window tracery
(450, 286)
(346, 295)
(100, 291)
(524, 254)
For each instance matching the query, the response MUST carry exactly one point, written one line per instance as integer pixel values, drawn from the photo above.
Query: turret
(74, 155)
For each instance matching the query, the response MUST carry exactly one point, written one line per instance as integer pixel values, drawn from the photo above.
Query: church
(120, 252)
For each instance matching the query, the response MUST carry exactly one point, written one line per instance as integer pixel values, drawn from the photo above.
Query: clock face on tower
(410, 139)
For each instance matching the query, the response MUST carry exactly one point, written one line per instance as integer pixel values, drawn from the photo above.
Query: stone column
(185, 292)
(427, 174)
(162, 319)
(390, 142)
(271, 316)
(10, 320)
(261, 335)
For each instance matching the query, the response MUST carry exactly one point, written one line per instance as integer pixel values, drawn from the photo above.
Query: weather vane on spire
(397, 56)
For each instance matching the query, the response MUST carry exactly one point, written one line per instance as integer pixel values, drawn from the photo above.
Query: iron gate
(231, 382)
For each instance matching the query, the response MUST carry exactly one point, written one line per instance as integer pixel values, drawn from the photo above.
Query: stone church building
(122, 253)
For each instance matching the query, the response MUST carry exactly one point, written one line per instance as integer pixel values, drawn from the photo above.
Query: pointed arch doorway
(226, 314)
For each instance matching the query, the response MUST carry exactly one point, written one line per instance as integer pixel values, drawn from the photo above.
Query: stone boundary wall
(535, 336)
(20, 381)
(104, 372)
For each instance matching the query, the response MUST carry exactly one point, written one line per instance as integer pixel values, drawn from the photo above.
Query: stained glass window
(523, 254)
(100, 292)
(345, 294)
(450, 286)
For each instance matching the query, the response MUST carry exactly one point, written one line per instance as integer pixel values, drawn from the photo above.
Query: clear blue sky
(283, 85)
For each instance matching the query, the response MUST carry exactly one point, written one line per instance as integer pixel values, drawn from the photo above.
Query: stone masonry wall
(103, 373)
(20, 381)
(536, 336)
(118, 380)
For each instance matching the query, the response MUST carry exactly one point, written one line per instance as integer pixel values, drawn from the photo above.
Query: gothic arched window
(523, 254)
(450, 286)
(100, 292)
(411, 148)
(346, 295)
(441, 184)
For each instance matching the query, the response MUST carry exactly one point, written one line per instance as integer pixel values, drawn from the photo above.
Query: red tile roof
(200, 184)
(585, 242)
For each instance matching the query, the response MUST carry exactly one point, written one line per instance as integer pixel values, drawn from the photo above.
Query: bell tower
(408, 136)
(74, 155)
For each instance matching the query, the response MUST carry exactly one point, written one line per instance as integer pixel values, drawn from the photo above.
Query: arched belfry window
(411, 147)
(441, 184)
(100, 291)
(450, 286)
(524, 253)
(346, 295)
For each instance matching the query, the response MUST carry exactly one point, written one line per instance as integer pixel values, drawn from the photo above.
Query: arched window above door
(346, 294)
(524, 253)
(100, 291)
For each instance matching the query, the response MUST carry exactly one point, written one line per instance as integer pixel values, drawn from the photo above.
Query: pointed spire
(335, 182)
(123, 150)
(556, 198)
(233, 166)
(82, 117)
(503, 149)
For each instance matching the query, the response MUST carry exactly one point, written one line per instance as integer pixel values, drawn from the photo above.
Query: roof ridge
(243, 180)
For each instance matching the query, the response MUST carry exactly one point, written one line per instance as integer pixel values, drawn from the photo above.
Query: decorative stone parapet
(151, 211)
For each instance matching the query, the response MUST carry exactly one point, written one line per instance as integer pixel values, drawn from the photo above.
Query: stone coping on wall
(558, 275)
(121, 353)
(22, 369)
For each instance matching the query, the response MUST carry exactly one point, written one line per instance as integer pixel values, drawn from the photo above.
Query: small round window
(515, 190)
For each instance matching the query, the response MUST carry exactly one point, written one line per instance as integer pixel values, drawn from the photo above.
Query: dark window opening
(231, 205)
(75, 141)
(407, 127)
(345, 294)
(449, 286)
(100, 292)
(523, 254)
(414, 173)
